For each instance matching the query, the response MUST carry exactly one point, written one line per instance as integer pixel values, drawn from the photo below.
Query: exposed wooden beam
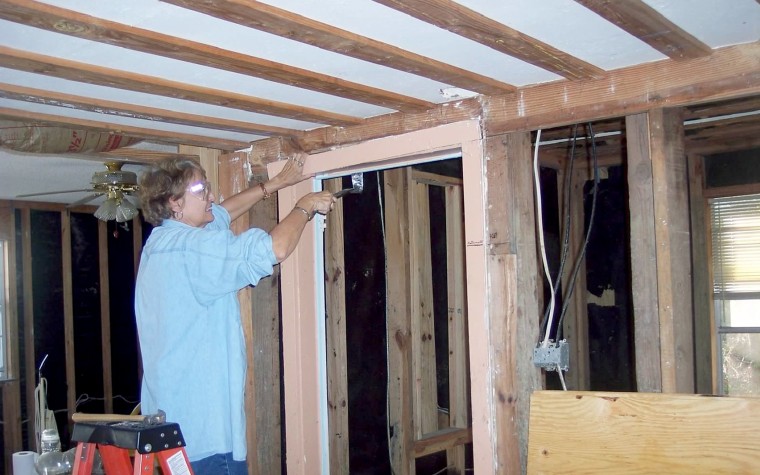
(133, 111)
(105, 127)
(92, 74)
(470, 24)
(650, 26)
(60, 20)
(139, 155)
(729, 73)
(289, 25)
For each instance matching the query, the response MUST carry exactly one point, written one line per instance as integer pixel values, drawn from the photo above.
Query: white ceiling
(563, 24)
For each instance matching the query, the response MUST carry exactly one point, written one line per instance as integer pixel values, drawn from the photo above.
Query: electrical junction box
(553, 356)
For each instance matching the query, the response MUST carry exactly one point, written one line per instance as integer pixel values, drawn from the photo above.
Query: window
(736, 292)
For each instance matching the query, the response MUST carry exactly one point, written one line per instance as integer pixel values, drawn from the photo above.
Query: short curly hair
(164, 180)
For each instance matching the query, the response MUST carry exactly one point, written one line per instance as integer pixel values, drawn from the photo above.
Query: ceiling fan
(115, 184)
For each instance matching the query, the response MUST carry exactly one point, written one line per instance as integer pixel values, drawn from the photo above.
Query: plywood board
(624, 433)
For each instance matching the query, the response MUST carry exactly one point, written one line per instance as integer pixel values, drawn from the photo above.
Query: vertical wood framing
(575, 328)
(398, 297)
(425, 407)
(30, 372)
(337, 354)
(304, 423)
(137, 245)
(512, 295)
(11, 389)
(105, 316)
(457, 323)
(68, 313)
(656, 143)
(304, 390)
(643, 263)
(704, 345)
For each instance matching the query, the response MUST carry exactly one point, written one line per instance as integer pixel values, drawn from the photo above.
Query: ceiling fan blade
(52, 193)
(84, 200)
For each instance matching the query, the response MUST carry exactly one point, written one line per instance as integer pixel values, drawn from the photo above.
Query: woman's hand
(318, 202)
(290, 174)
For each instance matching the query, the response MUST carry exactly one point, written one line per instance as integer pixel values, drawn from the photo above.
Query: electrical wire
(595, 192)
(542, 245)
(566, 207)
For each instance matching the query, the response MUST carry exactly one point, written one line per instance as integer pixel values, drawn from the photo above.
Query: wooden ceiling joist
(51, 98)
(60, 20)
(289, 25)
(91, 74)
(470, 24)
(137, 132)
(650, 26)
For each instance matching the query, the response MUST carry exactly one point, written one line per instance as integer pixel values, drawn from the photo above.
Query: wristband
(266, 193)
(309, 216)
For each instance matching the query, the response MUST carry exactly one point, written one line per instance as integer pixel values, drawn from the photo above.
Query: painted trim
(304, 379)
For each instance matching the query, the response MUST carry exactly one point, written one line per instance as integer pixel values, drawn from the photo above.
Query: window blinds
(736, 246)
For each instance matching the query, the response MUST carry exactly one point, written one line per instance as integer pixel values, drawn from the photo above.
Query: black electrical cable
(571, 285)
(566, 238)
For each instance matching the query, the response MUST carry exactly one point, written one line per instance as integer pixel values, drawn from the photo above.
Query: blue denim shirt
(188, 322)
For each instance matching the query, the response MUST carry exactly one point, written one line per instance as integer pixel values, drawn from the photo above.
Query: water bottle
(49, 441)
(51, 460)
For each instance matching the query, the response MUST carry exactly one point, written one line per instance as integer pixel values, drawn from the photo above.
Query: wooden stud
(398, 296)
(671, 207)
(68, 314)
(31, 370)
(105, 316)
(704, 345)
(11, 389)
(425, 406)
(459, 391)
(575, 326)
(337, 353)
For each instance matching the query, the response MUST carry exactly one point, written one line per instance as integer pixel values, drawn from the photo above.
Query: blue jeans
(219, 464)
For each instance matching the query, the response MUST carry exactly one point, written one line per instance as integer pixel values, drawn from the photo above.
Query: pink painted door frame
(303, 300)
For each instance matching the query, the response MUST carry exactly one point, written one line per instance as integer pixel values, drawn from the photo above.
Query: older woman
(188, 318)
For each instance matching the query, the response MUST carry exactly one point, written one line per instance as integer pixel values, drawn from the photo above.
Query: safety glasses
(200, 189)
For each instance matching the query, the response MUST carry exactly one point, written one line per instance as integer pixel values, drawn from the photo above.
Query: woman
(188, 318)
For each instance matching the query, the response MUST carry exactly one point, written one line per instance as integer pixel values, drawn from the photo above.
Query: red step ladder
(115, 440)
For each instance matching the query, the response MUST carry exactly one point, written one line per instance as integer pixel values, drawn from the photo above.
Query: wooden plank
(575, 325)
(425, 407)
(704, 346)
(137, 245)
(30, 372)
(68, 315)
(98, 75)
(105, 317)
(512, 294)
(337, 351)
(11, 389)
(110, 128)
(730, 72)
(727, 73)
(280, 22)
(266, 354)
(671, 221)
(470, 24)
(643, 248)
(134, 111)
(51, 18)
(734, 190)
(444, 439)
(631, 433)
(650, 26)
(459, 401)
(398, 297)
